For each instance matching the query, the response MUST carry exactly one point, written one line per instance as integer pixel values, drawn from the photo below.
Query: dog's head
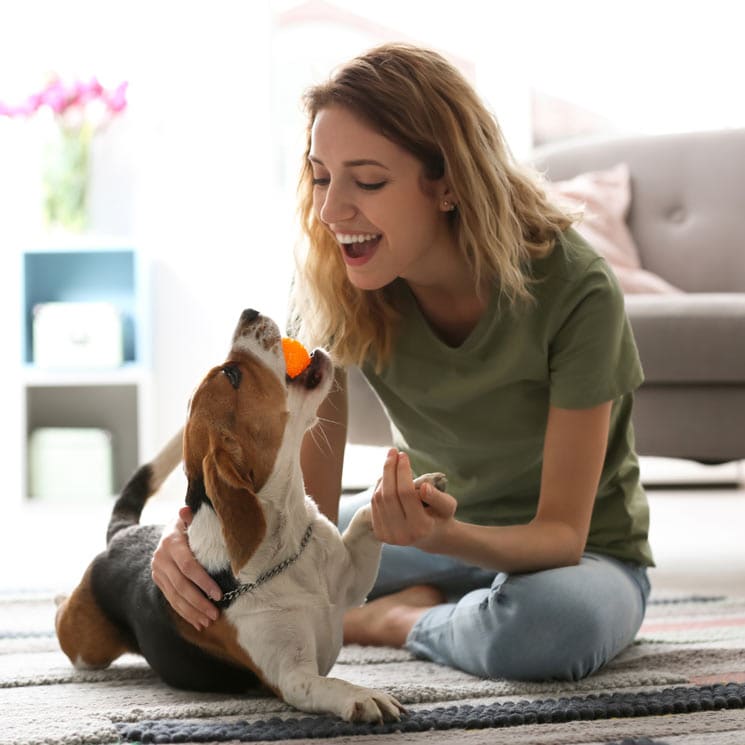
(246, 422)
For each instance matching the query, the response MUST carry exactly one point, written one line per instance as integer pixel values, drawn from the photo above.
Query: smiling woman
(485, 324)
(407, 175)
(370, 194)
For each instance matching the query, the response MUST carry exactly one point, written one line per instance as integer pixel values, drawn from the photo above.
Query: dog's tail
(145, 482)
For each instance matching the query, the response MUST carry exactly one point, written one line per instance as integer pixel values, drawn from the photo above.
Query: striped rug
(682, 683)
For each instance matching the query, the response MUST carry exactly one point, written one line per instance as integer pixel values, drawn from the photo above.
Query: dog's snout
(249, 315)
(258, 334)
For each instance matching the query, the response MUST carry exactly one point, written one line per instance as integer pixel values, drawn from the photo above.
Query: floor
(697, 519)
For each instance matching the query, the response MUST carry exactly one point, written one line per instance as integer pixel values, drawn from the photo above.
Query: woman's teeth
(361, 238)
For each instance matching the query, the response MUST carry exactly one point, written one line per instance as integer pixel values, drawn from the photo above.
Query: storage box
(70, 463)
(77, 335)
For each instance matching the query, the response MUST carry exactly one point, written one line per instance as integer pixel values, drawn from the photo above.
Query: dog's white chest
(207, 541)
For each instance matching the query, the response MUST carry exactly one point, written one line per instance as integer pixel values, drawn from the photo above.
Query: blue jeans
(557, 624)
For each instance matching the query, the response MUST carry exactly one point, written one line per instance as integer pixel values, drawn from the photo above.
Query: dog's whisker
(319, 433)
(327, 420)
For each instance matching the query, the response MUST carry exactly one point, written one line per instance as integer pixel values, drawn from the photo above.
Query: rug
(681, 683)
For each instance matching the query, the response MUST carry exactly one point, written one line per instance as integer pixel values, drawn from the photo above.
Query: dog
(287, 574)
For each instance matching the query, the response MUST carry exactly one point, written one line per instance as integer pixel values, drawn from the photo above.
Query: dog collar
(230, 596)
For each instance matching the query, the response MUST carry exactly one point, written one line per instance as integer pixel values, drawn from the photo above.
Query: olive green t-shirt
(478, 412)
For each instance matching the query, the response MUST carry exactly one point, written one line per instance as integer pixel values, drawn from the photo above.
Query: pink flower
(55, 96)
(60, 97)
(116, 100)
(32, 104)
(89, 91)
(25, 109)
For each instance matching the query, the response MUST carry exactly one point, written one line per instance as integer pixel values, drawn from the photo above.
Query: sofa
(685, 217)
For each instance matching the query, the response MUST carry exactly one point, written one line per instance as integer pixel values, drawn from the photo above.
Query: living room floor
(696, 532)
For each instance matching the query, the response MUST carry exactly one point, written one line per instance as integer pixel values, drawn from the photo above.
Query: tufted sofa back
(687, 211)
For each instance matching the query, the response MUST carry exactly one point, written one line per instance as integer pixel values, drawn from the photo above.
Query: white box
(70, 463)
(77, 335)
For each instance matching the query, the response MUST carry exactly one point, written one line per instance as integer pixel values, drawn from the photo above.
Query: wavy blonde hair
(418, 100)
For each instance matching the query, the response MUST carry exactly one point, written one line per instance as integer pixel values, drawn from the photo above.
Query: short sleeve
(593, 356)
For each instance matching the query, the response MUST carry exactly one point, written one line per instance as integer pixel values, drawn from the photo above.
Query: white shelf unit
(115, 399)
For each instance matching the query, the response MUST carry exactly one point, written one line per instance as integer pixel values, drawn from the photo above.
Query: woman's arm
(322, 454)
(573, 455)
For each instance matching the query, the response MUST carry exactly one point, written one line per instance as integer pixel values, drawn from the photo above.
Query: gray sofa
(687, 217)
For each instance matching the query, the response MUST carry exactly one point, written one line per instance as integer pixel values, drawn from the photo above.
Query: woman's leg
(561, 624)
(558, 624)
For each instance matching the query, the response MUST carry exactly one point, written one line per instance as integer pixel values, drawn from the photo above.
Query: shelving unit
(114, 399)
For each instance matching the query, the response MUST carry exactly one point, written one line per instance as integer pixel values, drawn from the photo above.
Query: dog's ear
(236, 504)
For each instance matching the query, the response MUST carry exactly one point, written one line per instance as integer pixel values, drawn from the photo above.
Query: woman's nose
(335, 206)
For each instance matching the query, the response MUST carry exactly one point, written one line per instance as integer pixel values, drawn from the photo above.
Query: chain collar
(230, 596)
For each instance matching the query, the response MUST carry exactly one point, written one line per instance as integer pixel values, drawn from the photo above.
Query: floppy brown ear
(236, 504)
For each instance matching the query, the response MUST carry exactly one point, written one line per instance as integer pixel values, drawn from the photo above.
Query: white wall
(205, 196)
(201, 170)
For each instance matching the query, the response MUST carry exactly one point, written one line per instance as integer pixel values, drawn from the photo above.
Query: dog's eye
(233, 374)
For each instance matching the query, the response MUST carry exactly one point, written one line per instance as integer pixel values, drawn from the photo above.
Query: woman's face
(387, 219)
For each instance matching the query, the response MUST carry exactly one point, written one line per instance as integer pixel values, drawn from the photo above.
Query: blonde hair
(422, 103)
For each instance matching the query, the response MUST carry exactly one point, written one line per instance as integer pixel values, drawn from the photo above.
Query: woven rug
(681, 683)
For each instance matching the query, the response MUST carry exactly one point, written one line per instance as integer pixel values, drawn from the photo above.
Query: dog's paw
(437, 479)
(370, 705)
(361, 521)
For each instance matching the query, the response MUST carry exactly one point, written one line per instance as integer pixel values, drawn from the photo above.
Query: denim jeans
(557, 624)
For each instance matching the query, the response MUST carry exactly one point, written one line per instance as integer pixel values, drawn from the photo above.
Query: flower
(73, 103)
(80, 108)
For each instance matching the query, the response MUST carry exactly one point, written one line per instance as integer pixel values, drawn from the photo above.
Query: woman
(497, 340)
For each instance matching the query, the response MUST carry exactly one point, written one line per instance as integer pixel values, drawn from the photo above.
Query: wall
(201, 171)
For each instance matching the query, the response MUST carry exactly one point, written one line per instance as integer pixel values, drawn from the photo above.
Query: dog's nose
(249, 315)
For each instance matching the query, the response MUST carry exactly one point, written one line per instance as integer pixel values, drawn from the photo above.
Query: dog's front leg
(304, 689)
(290, 667)
(363, 548)
(363, 551)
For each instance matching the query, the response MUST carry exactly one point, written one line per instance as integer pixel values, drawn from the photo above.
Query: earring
(448, 206)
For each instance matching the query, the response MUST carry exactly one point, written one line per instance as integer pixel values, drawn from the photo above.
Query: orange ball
(296, 356)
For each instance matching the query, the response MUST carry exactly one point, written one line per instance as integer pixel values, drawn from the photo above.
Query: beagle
(286, 572)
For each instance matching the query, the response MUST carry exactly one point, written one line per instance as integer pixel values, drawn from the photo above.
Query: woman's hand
(182, 579)
(404, 515)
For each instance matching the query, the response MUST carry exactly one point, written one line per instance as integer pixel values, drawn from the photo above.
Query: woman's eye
(320, 182)
(371, 187)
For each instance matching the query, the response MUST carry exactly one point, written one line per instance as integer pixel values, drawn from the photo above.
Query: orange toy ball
(296, 356)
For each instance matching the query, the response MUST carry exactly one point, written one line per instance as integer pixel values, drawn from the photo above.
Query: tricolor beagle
(288, 574)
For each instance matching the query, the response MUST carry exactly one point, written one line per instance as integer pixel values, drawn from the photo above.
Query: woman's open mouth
(358, 248)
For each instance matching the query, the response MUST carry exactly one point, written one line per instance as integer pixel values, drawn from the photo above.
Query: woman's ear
(447, 201)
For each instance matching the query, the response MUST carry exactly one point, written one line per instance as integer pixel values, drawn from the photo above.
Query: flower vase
(66, 173)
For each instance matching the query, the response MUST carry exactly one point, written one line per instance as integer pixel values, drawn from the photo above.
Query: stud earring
(448, 206)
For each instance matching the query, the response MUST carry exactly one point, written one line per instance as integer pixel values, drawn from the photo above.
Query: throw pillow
(603, 198)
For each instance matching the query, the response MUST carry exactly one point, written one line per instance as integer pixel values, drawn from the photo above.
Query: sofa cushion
(687, 215)
(603, 199)
(690, 338)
